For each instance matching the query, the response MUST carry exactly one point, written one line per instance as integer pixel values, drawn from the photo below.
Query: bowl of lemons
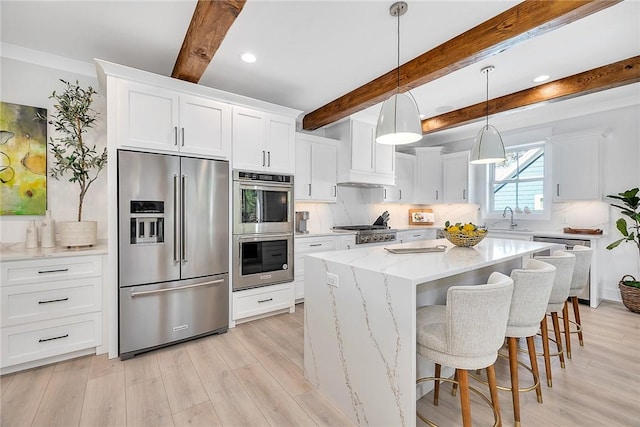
(464, 235)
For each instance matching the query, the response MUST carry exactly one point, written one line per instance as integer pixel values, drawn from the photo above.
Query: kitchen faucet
(513, 225)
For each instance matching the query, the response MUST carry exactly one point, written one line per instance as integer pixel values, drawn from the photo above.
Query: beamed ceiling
(336, 59)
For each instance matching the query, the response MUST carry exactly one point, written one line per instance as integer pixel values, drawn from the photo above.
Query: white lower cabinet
(50, 307)
(263, 300)
(306, 245)
(415, 235)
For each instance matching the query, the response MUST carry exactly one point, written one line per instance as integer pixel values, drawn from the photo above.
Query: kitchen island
(360, 331)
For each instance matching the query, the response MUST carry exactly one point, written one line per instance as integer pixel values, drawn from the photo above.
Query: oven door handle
(264, 237)
(159, 291)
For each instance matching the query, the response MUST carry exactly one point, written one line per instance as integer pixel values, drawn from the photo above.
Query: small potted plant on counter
(74, 157)
(629, 286)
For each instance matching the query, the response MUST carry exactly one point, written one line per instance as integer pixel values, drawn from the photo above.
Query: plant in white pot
(74, 157)
(630, 207)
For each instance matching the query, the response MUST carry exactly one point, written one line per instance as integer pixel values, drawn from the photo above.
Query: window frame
(488, 212)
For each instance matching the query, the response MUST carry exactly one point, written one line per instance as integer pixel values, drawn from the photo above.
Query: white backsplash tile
(354, 207)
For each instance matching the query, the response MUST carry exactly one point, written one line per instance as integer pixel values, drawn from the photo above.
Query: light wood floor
(252, 376)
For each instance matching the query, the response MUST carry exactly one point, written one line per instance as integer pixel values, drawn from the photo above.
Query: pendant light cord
(398, 50)
(487, 105)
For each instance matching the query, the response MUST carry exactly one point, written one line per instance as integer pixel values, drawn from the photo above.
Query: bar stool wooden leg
(545, 349)
(436, 387)
(576, 313)
(493, 389)
(465, 403)
(513, 368)
(567, 331)
(556, 330)
(531, 346)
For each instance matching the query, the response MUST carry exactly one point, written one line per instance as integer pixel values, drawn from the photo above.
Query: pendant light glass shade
(487, 147)
(399, 121)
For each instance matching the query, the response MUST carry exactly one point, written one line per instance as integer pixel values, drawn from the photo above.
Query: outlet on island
(332, 279)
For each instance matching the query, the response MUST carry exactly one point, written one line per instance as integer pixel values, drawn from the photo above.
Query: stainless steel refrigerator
(173, 263)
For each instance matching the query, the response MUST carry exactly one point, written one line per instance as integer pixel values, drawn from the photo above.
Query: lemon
(469, 227)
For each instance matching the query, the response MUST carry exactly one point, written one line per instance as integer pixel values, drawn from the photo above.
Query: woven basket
(463, 240)
(630, 295)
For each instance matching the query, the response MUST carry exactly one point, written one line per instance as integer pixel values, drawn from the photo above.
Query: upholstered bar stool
(466, 334)
(564, 263)
(578, 282)
(531, 290)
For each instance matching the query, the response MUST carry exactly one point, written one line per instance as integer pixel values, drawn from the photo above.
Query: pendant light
(488, 146)
(399, 120)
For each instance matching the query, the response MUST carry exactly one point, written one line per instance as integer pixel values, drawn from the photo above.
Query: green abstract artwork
(23, 160)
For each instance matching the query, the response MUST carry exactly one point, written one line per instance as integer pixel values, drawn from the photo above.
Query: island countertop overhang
(424, 267)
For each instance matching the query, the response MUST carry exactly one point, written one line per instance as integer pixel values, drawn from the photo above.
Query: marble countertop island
(360, 332)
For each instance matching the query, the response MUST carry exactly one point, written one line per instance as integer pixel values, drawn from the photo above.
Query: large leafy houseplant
(630, 208)
(73, 117)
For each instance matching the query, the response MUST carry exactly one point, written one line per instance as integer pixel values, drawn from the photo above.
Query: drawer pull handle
(53, 300)
(316, 244)
(54, 338)
(61, 270)
(265, 300)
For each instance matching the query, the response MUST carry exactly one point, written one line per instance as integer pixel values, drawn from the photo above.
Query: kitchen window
(519, 181)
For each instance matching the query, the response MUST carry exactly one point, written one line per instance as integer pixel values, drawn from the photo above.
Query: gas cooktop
(370, 233)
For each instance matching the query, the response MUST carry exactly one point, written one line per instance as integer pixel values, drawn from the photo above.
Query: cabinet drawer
(46, 270)
(24, 343)
(43, 301)
(262, 300)
(315, 245)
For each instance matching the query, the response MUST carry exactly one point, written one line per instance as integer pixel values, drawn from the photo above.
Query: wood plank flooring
(252, 376)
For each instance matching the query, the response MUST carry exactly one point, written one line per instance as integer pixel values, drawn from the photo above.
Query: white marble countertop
(542, 233)
(17, 251)
(424, 267)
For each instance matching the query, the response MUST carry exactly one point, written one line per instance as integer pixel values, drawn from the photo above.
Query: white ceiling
(312, 51)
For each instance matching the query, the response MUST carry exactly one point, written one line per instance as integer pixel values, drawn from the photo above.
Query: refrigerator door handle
(179, 288)
(175, 222)
(183, 232)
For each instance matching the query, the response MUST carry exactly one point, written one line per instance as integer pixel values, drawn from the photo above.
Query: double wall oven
(263, 227)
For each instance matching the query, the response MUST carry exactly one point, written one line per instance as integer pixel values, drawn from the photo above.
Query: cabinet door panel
(205, 127)
(576, 169)
(248, 137)
(323, 172)
(384, 159)
(147, 117)
(280, 149)
(455, 169)
(362, 147)
(302, 183)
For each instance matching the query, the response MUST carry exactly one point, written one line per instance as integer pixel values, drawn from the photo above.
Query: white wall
(30, 84)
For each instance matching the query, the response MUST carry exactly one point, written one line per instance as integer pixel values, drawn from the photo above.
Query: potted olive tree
(630, 207)
(74, 157)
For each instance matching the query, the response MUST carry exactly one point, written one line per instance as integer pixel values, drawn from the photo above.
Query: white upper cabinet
(403, 191)
(156, 119)
(263, 141)
(360, 159)
(316, 168)
(428, 175)
(205, 126)
(576, 160)
(455, 177)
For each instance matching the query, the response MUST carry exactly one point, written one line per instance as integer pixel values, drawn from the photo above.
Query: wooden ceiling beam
(609, 76)
(209, 25)
(522, 22)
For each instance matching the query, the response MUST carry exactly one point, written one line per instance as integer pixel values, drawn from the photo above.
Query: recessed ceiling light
(541, 78)
(248, 57)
